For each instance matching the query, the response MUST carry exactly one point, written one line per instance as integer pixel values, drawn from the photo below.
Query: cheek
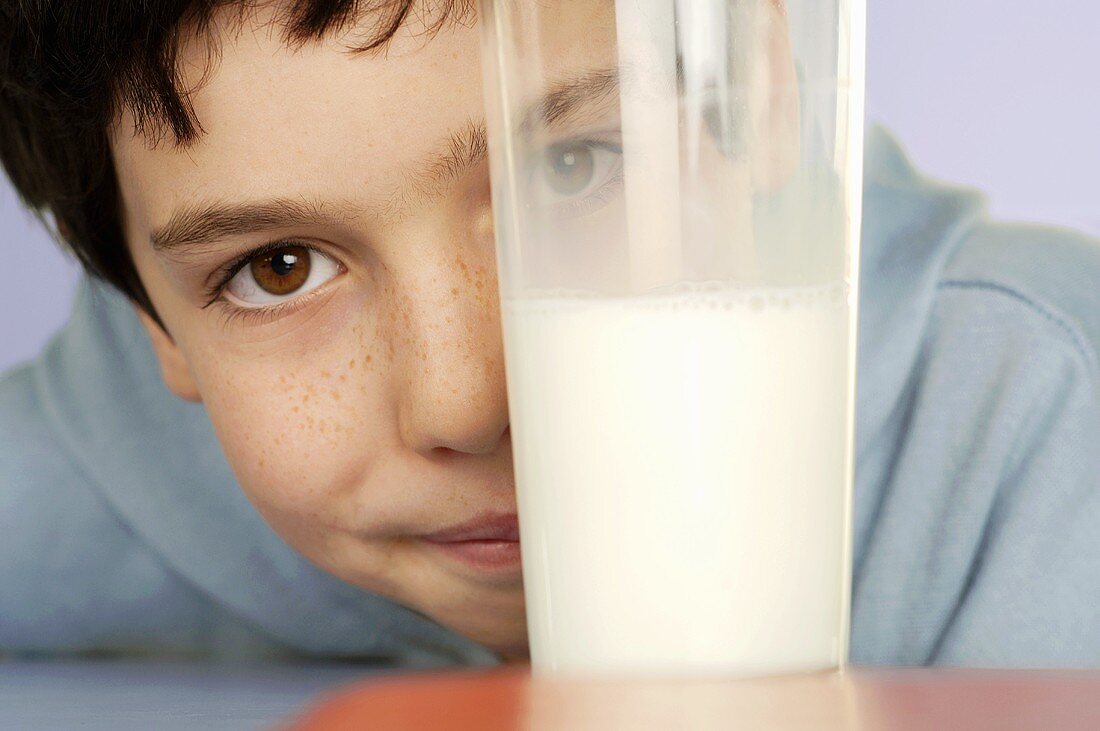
(300, 427)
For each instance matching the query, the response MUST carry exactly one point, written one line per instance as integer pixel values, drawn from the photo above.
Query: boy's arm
(73, 577)
(1032, 594)
(982, 541)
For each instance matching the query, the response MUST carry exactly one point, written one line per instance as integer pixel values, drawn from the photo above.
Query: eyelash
(600, 198)
(231, 314)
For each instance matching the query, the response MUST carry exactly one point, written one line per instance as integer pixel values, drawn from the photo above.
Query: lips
(489, 527)
(489, 542)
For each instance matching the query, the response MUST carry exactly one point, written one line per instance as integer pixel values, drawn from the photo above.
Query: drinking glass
(676, 193)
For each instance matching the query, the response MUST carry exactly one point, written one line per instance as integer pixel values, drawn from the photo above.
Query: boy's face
(353, 368)
(354, 373)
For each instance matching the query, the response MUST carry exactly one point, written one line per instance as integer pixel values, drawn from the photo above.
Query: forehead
(273, 116)
(320, 119)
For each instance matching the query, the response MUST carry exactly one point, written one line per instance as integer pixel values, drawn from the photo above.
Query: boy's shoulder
(1048, 274)
(978, 480)
(73, 576)
(934, 264)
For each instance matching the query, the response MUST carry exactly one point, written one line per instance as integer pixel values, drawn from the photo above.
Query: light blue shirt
(977, 499)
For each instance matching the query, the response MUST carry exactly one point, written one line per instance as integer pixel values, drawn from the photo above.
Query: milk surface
(682, 476)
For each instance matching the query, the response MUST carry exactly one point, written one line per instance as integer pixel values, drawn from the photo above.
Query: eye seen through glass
(577, 177)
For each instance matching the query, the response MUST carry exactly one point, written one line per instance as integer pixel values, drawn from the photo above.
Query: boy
(304, 232)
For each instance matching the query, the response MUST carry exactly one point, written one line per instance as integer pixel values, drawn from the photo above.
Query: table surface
(114, 695)
(120, 696)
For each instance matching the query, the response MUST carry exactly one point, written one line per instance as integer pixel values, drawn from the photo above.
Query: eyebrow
(200, 225)
(572, 101)
(575, 100)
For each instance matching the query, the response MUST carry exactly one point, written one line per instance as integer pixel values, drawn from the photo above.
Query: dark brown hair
(67, 68)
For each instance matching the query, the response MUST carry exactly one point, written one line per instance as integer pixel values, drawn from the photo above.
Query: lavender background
(1000, 94)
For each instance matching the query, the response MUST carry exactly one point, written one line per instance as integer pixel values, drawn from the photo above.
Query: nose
(453, 394)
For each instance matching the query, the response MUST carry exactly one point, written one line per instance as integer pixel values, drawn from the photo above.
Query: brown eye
(280, 274)
(282, 271)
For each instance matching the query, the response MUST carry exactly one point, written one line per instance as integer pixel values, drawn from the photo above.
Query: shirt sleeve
(73, 577)
(983, 545)
(1031, 594)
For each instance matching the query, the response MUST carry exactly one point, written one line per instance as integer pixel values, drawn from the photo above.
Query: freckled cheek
(300, 437)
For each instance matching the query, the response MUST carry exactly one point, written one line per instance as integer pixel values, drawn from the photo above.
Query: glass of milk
(676, 188)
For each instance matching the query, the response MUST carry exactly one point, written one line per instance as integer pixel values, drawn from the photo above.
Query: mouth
(489, 542)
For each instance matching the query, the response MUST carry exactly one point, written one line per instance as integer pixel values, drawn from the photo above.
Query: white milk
(682, 479)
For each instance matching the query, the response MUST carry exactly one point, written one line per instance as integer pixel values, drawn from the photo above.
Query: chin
(504, 634)
(512, 650)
